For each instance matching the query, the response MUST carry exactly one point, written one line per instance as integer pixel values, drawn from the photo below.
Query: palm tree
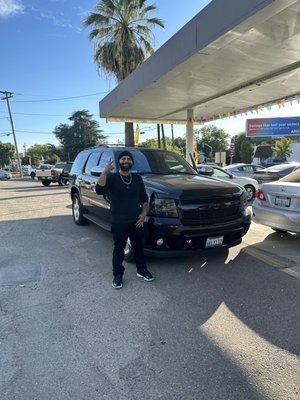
(123, 39)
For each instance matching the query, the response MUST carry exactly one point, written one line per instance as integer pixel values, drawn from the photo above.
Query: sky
(46, 54)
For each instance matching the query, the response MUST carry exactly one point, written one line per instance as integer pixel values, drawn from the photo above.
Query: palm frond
(156, 21)
(95, 19)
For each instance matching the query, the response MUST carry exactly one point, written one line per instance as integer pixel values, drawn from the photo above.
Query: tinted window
(257, 168)
(106, 156)
(294, 177)
(159, 162)
(67, 167)
(92, 161)
(287, 171)
(280, 168)
(61, 165)
(79, 162)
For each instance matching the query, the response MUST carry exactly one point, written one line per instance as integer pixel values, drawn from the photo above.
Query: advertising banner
(276, 127)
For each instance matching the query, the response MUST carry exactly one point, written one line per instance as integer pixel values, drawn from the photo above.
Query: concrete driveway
(222, 326)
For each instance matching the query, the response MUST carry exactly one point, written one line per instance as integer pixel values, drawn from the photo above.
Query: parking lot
(221, 326)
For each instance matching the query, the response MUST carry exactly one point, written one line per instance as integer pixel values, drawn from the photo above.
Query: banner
(275, 127)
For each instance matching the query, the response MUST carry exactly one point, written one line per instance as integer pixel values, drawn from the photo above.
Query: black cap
(125, 153)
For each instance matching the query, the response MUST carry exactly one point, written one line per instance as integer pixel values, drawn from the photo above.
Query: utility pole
(163, 136)
(172, 130)
(7, 96)
(158, 136)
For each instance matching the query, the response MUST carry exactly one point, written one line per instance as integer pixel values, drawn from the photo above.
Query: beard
(125, 167)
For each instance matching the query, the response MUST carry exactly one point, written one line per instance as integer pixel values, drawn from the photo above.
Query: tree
(82, 133)
(153, 144)
(42, 152)
(213, 137)
(123, 38)
(7, 151)
(243, 149)
(246, 152)
(283, 148)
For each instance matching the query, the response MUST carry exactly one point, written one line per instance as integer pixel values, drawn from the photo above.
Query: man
(129, 207)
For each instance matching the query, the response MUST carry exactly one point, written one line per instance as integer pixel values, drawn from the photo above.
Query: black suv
(187, 212)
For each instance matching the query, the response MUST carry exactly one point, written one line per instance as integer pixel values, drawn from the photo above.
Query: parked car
(250, 185)
(41, 167)
(277, 204)
(4, 175)
(187, 212)
(61, 172)
(247, 170)
(56, 174)
(276, 172)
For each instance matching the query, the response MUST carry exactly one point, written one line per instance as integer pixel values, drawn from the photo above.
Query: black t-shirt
(125, 198)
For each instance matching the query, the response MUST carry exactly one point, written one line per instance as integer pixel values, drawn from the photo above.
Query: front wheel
(32, 176)
(46, 183)
(77, 210)
(250, 192)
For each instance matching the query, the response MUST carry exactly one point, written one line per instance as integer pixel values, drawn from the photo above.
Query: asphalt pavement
(224, 325)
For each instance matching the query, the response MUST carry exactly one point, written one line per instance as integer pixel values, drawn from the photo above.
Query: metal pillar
(189, 134)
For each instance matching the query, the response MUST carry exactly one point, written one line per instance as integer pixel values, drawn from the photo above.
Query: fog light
(160, 242)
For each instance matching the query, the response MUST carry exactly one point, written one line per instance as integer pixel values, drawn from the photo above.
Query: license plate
(282, 201)
(214, 242)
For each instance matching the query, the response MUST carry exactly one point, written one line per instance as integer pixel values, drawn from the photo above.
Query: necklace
(124, 181)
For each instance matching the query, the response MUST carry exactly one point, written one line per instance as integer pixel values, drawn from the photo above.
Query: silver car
(4, 175)
(247, 170)
(277, 204)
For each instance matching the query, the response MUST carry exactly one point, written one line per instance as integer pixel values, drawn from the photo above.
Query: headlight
(164, 208)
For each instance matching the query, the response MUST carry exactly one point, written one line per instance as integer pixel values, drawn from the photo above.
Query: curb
(288, 266)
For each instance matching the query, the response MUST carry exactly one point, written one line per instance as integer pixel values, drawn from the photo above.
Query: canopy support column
(189, 134)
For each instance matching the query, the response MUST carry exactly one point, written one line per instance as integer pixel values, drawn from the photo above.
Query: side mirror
(231, 176)
(96, 171)
(205, 170)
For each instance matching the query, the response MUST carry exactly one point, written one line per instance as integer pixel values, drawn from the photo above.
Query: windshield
(151, 161)
(294, 177)
(280, 168)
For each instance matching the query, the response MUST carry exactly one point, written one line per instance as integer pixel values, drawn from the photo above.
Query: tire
(32, 176)
(279, 230)
(77, 210)
(128, 253)
(46, 183)
(250, 191)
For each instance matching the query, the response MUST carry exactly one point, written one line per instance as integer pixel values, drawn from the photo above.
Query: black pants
(121, 232)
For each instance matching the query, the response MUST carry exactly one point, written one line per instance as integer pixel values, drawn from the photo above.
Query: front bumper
(179, 239)
(277, 218)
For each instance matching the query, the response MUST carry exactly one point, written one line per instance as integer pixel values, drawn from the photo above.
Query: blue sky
(46, 54)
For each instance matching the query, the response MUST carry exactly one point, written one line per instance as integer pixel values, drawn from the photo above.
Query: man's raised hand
(109, 167)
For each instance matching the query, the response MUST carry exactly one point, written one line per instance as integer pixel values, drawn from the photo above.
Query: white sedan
(251, 185)
(4, 175)
(277, 204)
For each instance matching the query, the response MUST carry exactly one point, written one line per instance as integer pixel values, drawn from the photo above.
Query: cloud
(10, 7)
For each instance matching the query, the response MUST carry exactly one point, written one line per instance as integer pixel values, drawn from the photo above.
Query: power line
(60, 98)
(43, 115)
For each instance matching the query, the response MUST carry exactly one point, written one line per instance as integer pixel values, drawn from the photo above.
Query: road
(221, 326)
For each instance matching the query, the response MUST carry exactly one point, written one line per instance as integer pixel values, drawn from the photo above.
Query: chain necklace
(126, 183)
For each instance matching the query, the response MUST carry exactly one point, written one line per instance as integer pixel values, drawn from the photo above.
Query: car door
(101, 202)
(88, 182)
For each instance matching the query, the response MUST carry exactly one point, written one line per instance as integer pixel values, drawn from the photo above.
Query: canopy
(231, 55)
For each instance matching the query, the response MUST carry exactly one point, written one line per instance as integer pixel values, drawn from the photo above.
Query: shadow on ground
(142, 342)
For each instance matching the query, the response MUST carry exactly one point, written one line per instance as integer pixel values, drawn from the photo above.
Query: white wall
(296, 152)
